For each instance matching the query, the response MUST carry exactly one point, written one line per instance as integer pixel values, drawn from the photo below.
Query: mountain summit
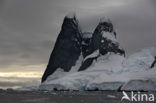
(103, 41)
(72, 44)
(95, 61)
(67, 48)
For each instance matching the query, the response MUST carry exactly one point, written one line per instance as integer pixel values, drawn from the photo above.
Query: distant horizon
(28, 31)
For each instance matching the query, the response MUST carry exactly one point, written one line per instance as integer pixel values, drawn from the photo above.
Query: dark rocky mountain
(71, 42)
(104, 40)
(67, 48)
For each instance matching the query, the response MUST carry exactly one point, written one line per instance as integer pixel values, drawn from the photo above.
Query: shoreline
(15, 96)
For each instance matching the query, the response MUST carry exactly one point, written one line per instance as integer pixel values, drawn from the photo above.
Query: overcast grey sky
(29, 28)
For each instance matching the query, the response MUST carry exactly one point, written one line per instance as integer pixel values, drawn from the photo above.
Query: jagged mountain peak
(105, 24)
(104, 38)
(71, 44)
(102, 42)
(105, 19)
(71, 15)
(67, 48)
(98, 56)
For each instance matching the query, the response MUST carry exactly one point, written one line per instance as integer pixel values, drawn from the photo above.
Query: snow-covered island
(96, 61)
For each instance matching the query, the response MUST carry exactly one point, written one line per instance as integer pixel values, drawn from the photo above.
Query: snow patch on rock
(78, 64)
(87, 35)
(71, 15)
(105, 19)
(110, 63)
(109, 36)
(59, 73)
(94, 54)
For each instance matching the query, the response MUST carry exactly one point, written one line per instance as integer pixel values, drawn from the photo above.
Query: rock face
(103, 40)
(71, 43)
(86, 41)
(154, 62)
(67, 48)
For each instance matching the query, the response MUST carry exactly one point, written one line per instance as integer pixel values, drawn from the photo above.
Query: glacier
(110, 72)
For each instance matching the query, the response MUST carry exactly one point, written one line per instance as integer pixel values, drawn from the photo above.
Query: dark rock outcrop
(154, 63)
(104, 40)
(71, 42)
(67, 48)
(86, 41)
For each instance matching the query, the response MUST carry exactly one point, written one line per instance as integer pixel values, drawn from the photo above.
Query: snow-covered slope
(110, 72)
(89, 61)
(145, 80)
(141, 60)
(99, 72)
(138, 66)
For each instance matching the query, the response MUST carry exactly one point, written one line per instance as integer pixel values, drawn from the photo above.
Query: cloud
(28, 29)
(18, 82)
